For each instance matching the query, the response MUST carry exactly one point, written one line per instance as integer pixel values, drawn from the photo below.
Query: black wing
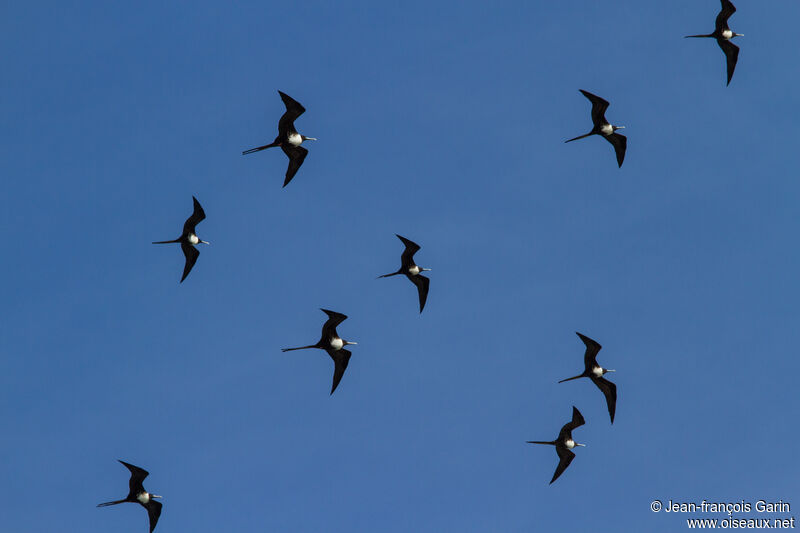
(577, 421)
(590, 356)
(334, 319)
(599, 107)
(565, 458)
(620, 143)
(610, 392)
(731, 54)
(296, 155)
(422, 284)
(137, 477)
(153, 512)
(198, 215)
(191, 254)
(722, 18)
(340, 360)
(407, 257)
(293, 110)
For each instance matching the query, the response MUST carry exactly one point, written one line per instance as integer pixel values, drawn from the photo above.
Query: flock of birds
(289, 140)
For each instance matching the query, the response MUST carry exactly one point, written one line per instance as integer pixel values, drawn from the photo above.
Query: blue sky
(442, 122)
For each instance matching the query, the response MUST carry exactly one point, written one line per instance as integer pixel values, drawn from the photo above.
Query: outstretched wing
(722, 18)
(566, 430)
(565, 458)
(198, 215)
(592, 348)
(334, 319)
(191, 254)
(620, 143)
(293, 110)
(599, 107)
(340, 360)
(407, 257)
(153, 512)
(422, 284)
(731, 55)
(137, 477)
(296, 155)
(609, 390)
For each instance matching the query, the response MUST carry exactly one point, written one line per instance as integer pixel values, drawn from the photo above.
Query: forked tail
(300, 348)
(570, 379)
(579, 137)
(166, 242)
(111, 503)
(541, 442)
(258, 149)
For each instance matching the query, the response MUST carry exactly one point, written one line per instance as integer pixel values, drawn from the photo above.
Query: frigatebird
(331, 342)
(595, 372)
(288, 138)
(189, 238)
(723, 35)
(603, 128)
(137, 494)
(564, 443)
(412, 271)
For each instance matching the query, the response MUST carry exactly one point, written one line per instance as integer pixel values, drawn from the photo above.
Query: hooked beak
(576, 444)
(619, 127)
(155, 496)
(348, 342)
(424, 269)
(309, 138)
(610, 370)
(204, 242)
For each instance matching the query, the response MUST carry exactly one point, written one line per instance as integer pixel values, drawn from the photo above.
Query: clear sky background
(443, 122)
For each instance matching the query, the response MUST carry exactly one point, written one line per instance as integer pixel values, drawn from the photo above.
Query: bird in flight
(331, 342)
(603, 128)
(564, 443)
(137, 494)
(412, 271)
(189, 238)
(723, 35)
(595, 372)
(288, 138)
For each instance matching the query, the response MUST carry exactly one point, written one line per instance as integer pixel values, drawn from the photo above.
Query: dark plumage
(595, 372)
(288, 138)
(189, 238)
(603, 128)
(137, 494)
(564, 443)
(333, 344)
(412, 271)
(723, 35)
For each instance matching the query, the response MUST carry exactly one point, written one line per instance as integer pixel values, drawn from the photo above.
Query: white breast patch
(597, 371)
(193, 239)
(414, 270)
(295, 139)
(727, 34)
(144, 497)
(337, 343)
(607, 129)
